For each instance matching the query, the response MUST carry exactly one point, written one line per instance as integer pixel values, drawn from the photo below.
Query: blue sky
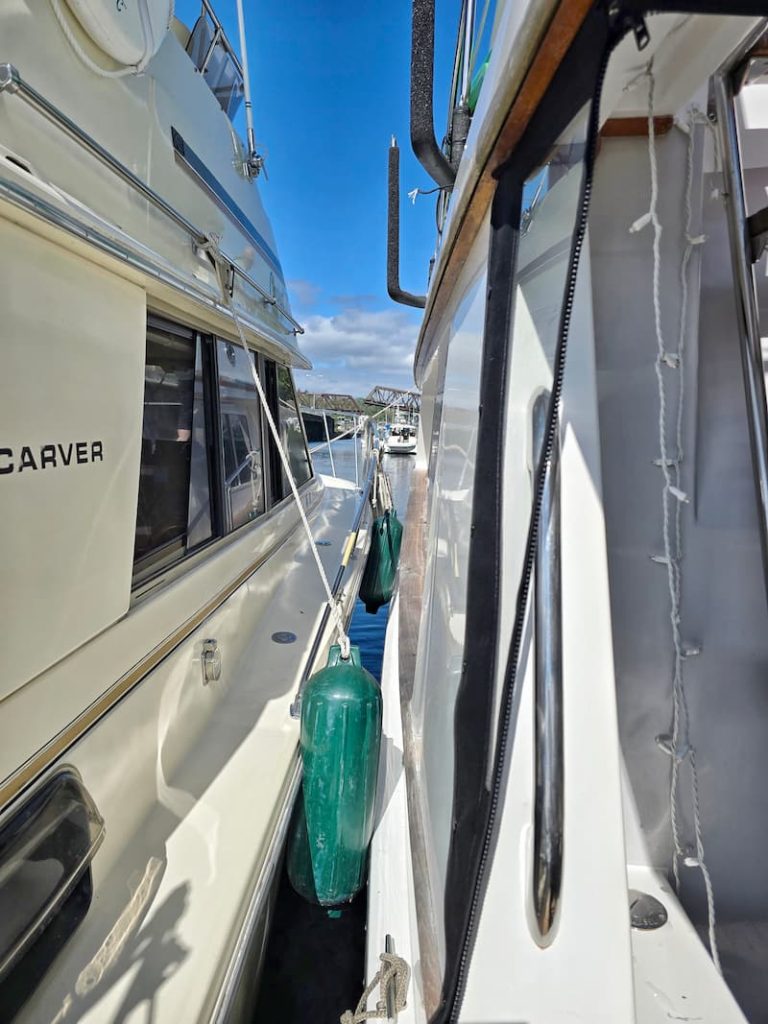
(330, 86)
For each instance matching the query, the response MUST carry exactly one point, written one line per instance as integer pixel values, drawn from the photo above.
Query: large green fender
(333, 821)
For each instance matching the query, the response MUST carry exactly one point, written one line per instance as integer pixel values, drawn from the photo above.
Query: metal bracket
(211, 661)
(9, 78)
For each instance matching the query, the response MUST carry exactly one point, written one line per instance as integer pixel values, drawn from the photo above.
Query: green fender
(333, 821)
(379, 577)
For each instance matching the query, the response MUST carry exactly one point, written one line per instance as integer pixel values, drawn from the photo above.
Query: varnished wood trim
(630, 127)
(410, 585)
(410, 589)
(553, 47)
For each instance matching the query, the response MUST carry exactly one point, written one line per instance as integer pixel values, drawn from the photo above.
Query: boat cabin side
(161, 599)
(584, 742)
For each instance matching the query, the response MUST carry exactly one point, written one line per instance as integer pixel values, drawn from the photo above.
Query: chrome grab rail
(13, 84)
(548, 733)
(365, 497)
(219, 35)
(749, 324)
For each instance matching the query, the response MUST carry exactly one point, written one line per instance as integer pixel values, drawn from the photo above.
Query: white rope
(680, 746)
(87, 60)
(213, 250)
(394, 971)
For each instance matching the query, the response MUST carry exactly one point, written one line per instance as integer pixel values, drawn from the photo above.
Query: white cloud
(356, 349)
(303, 294)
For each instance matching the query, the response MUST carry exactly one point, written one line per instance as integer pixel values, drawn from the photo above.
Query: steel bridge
(329, 402)
(383, 396)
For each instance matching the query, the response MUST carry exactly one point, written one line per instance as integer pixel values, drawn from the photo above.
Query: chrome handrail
(365, 497)
(749, 324)
(549, 768)
(219, 35)
(12, 83)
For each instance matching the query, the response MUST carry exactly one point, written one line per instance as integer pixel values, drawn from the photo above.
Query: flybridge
(50, 456)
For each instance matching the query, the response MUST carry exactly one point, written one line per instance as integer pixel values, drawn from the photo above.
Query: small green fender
(379, 577)
(333, 821)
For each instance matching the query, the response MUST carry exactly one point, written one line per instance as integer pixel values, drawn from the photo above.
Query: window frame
(302, 427)
(149, 571)
(226, 529)
(274, 501)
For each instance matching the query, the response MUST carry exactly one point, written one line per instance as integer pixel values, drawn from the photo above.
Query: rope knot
(392, 977)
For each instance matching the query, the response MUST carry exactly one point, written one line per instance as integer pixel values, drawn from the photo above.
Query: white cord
(681, 746)
(336, 614)
(131, 69)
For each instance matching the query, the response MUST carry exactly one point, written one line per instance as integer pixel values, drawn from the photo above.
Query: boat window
(275, 463)
(241, 436)
(199, 513)
(292, 430)
(204, 471)
(174, 506)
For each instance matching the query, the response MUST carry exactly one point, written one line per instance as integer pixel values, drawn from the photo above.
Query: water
(368, 631)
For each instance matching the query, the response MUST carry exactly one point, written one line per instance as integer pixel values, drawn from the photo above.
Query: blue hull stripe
(224, 199)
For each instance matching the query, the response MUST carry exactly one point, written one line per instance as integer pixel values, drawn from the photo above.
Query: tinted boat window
(172, 516)
(275, 463)
(241, 436)
(291, 430)
(199, 521)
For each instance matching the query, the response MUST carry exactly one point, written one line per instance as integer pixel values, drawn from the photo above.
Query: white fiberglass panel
(516, 973)
(190, 777)
(438, 671)
(70, 435)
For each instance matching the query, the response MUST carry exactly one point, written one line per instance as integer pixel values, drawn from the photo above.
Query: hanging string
(213, 250)
(680, 747)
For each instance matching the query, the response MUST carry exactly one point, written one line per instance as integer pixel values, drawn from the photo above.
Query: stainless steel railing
(749, 324)
(214, 57)
(219, 36)
(12, 84)
(549, 769)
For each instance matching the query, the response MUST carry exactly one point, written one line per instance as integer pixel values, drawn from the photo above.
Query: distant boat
(401, 440)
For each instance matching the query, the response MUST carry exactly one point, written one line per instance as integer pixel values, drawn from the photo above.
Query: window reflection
(564, 156)
(241, 436)
(291, 432)
(173, 512)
